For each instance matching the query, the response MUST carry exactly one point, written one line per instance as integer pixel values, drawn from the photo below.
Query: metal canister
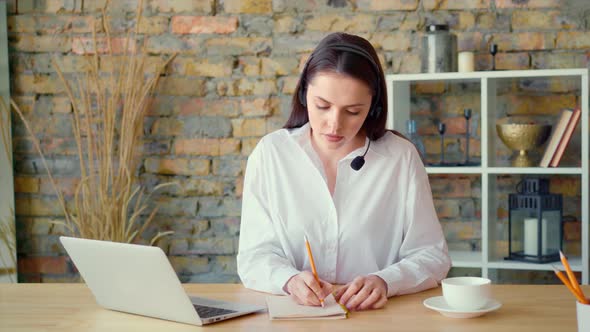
(439, 50)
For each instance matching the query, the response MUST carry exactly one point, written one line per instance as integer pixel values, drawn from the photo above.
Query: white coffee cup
(466, 293)
(583, 316)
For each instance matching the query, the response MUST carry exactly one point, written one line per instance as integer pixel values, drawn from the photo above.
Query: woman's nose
(334, 120)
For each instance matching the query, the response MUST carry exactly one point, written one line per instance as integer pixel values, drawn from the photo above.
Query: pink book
(558, 131)
(567, 135)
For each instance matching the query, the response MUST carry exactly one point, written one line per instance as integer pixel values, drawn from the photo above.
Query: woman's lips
(333, 138)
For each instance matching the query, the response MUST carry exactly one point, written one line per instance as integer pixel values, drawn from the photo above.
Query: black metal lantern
(535, 231)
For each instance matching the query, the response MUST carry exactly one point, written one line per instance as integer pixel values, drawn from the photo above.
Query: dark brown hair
(331, 56)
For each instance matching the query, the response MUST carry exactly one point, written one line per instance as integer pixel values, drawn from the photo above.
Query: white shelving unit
(399, 106)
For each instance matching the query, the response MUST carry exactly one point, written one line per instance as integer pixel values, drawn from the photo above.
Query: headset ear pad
(302, 94)
(375, 111)
(376, 107)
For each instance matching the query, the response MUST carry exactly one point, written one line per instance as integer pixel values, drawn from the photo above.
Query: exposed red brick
(455, 4)
(528, 4)
(50, 265)
(204, 24)
(85, 45)
(572, 230)
(374, 5)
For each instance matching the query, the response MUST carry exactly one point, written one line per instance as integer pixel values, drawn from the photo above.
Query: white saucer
(439, 304)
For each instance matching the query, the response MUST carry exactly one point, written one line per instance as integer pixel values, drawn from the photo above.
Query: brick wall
(231, 84)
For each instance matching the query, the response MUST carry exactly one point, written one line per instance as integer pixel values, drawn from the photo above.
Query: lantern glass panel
(517, 218)
(535, 238)
(552, 232)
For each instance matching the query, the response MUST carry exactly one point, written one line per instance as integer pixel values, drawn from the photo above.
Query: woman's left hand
(363, 293)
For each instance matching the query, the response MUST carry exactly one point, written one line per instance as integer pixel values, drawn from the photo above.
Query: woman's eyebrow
(351, 105)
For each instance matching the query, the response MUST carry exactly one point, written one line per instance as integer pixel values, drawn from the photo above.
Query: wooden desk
(71, 307)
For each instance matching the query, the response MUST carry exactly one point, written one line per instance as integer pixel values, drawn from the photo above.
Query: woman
(372, 228)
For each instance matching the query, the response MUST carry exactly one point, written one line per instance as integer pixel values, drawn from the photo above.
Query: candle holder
(441, 130)
(493, 51)
(535, 227)
(467, 114)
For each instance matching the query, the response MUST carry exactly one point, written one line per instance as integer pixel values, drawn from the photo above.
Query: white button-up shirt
(380, 220)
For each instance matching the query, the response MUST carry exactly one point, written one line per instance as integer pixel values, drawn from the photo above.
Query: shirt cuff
(281, 276)
(391, 279)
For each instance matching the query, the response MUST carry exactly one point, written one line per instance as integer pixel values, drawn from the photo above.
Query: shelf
(453, 170)
(466, 258)
(487, 74)
(503, 170)
(575, 264)
(473, 259)
(533, 170)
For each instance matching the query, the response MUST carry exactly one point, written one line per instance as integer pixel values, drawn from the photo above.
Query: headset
(376, 108)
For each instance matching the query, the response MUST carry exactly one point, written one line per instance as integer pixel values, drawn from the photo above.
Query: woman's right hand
(305, 290)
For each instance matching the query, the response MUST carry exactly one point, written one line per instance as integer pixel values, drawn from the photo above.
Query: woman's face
(337, 106)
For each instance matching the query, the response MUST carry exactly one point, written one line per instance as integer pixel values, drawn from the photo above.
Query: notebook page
(283, 307)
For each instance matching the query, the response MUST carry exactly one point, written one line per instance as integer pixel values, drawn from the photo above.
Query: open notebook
(284, 308)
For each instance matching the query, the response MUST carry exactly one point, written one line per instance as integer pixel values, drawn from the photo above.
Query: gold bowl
(523, 137)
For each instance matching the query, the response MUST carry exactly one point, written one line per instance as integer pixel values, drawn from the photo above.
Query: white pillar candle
(466, 62)
(531, 236)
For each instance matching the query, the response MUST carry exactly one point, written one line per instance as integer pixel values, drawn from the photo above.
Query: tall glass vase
(412, 134)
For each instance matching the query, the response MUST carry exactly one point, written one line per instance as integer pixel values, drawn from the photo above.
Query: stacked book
(562, 134)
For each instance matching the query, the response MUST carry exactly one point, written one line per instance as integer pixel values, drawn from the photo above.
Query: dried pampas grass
(7, 227)
(107, 120)
(8, 242)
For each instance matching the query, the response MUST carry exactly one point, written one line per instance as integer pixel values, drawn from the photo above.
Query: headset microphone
(358, 161)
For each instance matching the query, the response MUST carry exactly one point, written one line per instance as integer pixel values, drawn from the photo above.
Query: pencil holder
(583, 314)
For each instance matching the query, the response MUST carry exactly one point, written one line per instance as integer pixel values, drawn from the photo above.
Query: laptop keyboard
(207, 312)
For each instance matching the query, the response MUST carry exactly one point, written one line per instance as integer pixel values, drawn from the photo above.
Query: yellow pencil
(566, 282)
(570, 275)
(312, 263)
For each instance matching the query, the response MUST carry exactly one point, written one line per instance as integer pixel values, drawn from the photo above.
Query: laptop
(140, 280)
